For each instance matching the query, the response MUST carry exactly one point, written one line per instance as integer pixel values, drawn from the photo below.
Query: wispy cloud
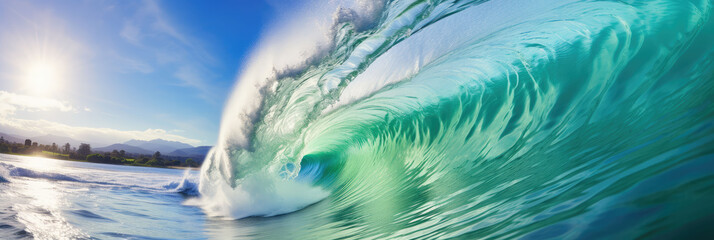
(12, 102)
(152, 30)
(132, 65)
(192, 77)
(100, 136)
(130, 33)
(162, 24)
(150, 43)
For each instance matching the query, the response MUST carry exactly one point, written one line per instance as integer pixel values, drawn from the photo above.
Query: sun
(42, 77)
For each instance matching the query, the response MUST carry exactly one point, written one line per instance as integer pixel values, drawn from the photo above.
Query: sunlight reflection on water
(43, 164)
(42, 213)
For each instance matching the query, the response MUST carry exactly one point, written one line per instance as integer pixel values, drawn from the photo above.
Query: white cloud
(96, 136)
(12, 102)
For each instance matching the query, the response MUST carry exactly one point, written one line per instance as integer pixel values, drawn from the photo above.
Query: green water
(560, 119)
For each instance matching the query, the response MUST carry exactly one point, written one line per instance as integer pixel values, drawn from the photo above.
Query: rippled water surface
(501, 119)
(480, 119)
(51, 199)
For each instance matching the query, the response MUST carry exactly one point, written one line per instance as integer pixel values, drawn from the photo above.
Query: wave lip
(524, 85)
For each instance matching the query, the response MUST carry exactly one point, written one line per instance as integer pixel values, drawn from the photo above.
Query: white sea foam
(257, 195)
(187, 185)
(8, 171)
(295, 43)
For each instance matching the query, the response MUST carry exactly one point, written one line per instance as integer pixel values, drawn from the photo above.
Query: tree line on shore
(84, 153)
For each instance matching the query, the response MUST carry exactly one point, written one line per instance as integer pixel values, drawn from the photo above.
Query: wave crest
(434, 90)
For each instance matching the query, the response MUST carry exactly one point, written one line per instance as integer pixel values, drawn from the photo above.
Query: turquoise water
(429, 120)
(477, 119)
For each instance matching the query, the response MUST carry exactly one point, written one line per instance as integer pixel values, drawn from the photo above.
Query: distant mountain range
(197, 152)
(45, 139)
(59, 140)
(169, 148)
(193, 152)
(126, 148)
(12, 138)
(160, 145)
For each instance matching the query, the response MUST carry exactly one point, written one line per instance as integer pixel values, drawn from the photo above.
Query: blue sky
(110, 71)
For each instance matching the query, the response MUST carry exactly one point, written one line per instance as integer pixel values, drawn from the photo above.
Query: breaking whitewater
(474, 119)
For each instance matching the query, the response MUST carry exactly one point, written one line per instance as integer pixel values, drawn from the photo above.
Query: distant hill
(126, 148)
(197, 152)
(160, 145)
(49, 139)
(12, 138)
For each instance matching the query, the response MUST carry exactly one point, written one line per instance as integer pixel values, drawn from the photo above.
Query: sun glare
(42, 77)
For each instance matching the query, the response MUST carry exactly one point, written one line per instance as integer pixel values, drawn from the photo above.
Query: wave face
(474, 119)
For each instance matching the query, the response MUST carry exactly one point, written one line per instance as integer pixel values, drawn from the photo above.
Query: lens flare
(42, 77)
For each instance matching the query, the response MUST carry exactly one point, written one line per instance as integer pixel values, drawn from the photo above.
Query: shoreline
(77, 160)
(179, 167)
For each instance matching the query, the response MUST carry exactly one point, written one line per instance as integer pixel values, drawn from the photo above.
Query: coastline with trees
(84, 153)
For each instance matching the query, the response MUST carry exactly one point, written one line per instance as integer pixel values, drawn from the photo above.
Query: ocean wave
(90, 214)
(8, 170)
(187, 185)
(470, 113)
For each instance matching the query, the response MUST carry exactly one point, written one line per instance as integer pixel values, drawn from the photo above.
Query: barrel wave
(474, 119)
